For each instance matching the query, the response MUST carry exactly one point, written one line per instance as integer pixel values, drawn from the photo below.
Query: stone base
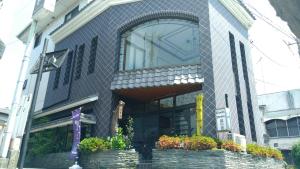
(50, 161)
(3, 163)
(216, 159)
(106, 159)
(110, 159)
(13, 159)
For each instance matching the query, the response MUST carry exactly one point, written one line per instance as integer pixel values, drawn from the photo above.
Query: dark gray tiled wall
(107, 26)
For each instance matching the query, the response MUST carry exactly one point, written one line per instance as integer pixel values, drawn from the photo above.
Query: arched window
(160, 42)
(283, 128)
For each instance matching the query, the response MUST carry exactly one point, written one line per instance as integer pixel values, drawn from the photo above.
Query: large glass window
(160, 42)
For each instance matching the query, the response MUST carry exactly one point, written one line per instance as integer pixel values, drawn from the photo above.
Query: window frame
(93, 55)
(72, 14)
(122, 56)
(37, 40)
(79, 61)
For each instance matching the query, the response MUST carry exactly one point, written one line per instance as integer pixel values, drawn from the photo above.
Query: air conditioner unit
(239, 139)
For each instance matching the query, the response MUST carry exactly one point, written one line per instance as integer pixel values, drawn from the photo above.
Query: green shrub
(219, 143)
(231, 146)
(261, 151)
(118, 142)
(129, 132)
(296, 154)
(94, 144)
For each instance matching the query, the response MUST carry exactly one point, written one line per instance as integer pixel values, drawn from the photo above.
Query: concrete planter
(110, 160)
(50, 161)
(217, 159)
(102, 160)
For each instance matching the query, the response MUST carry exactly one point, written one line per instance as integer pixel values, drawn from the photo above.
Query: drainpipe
(17, 95)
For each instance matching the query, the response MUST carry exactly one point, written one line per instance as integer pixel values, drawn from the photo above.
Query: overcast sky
(279, 73)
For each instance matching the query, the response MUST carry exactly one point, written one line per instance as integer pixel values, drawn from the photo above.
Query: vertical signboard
(223, 120)
(199, 114)
(76, 132)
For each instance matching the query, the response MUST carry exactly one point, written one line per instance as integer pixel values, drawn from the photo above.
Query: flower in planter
(261, 151)
(200, 143)
(231, 146)
(166, 142)
(187, 143)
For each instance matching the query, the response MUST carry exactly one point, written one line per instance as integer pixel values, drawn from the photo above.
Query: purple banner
(76, 132)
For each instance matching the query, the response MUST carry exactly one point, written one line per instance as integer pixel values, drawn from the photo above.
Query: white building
(281, 115)
(48, 15)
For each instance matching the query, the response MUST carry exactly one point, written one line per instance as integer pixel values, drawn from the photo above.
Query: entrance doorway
(173, 116)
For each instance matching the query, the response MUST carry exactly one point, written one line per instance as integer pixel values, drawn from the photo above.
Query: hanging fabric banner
(199, 114)
(76, 133)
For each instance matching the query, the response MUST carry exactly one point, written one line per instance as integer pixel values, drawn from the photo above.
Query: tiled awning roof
(157, 77)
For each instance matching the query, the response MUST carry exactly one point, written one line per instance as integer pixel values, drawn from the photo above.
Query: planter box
(110, 159)
(50, 161)
(102, 160)
(216, 159)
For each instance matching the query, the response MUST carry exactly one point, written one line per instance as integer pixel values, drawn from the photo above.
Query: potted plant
(111, 152)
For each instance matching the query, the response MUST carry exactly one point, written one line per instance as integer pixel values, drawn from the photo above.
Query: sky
(281, 71)
(14, 16)
(277, 69)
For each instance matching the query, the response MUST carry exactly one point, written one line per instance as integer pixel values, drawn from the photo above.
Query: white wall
(279, 101)
(284, 143)
(221, 22)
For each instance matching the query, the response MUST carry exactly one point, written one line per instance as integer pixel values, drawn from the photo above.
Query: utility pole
(32, 107)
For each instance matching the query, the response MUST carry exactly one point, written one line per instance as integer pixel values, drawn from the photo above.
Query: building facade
(155, 55)
(281, 116)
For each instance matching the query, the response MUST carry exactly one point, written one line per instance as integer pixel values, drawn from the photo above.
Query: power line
(266, 56)
(249, 70)
(269, 21)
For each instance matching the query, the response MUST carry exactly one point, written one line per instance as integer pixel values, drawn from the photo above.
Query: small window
(71, 14)
(25, 84)
(226, 101)
(79, 62)
(68, 68)
(57, 77)
(93, 54)
(37, 40)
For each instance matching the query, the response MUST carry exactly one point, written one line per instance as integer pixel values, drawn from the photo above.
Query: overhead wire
(249, 70)
(269, 21)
